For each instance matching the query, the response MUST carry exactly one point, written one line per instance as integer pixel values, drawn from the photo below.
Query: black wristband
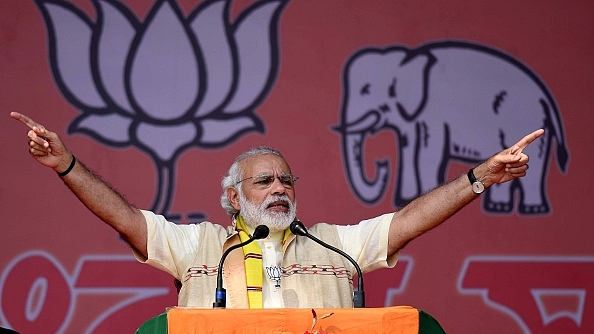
(62, 174)
(471, 176)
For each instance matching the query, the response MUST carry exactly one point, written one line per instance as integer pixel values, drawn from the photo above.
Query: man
(281, 270)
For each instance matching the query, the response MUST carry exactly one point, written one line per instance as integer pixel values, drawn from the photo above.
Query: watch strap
(471, 176)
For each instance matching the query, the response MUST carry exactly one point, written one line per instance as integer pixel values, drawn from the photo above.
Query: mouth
(281, 206)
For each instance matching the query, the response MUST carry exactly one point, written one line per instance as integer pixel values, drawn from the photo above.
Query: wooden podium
(394, 320)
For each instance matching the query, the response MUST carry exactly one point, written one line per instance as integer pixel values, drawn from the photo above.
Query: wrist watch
(477, 186)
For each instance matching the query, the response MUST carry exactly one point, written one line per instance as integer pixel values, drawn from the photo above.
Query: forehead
(264, 164)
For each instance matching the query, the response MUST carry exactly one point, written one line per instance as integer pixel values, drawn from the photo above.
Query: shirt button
(268, 247)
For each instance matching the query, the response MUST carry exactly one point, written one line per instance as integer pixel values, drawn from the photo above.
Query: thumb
(54, 144)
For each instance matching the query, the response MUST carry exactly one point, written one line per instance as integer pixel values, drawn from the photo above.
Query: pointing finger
(38, 130)
(524, 142)
(37, 134)
(24, 119)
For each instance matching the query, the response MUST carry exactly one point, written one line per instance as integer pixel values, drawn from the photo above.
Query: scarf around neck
(253, 263)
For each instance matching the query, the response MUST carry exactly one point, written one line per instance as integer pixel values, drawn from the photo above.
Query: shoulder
(160, 222)
(323, 227)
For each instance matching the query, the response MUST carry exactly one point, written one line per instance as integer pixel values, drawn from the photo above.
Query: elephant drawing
(447, 101)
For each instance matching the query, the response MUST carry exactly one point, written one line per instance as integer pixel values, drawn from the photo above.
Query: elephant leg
(499, 198)
(420, 160)
(530, 189)
(433, 157)
(407, 181)
(533, 199)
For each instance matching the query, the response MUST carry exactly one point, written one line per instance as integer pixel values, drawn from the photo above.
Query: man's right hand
(45, 146)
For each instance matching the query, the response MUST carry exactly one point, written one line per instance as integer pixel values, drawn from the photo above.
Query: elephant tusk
(367, 122)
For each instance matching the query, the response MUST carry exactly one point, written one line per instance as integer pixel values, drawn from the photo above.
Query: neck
(272, 236)
(275, 236)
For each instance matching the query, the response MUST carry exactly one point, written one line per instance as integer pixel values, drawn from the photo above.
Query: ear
(233, 197)
(412, 84)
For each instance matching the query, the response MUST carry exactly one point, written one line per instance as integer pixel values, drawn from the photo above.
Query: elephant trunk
(368, 191)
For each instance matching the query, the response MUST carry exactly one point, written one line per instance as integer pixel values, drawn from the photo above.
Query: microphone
(298, 228)
(260, 232)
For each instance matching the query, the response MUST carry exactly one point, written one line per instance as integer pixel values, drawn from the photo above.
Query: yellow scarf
(253, 263)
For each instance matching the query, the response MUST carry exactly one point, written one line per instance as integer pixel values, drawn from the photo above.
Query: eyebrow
(269, 174)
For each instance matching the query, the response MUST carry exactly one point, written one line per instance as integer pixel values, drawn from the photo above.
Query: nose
(277, 187)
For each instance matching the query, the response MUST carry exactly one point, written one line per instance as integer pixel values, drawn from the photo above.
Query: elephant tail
(562, 156)
(556, 130)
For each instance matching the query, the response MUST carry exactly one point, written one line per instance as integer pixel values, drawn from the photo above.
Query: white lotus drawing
(168, 83)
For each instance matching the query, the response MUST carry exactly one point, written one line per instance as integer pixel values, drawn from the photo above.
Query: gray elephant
(447, 101)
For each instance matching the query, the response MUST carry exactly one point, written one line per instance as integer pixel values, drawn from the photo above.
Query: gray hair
(235, 174)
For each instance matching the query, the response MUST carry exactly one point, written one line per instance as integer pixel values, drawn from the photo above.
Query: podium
(394, 320)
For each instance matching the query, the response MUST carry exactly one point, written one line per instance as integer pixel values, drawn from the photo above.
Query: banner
(373, 103)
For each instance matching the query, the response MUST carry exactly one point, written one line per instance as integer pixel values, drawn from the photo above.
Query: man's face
(262, 201)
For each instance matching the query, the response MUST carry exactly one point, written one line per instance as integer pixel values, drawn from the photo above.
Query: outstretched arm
(48, 149)
(436, 206)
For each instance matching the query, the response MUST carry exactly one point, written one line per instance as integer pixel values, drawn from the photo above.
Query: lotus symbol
(166, 84)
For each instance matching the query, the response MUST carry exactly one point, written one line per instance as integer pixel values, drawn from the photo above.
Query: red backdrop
(63, 270)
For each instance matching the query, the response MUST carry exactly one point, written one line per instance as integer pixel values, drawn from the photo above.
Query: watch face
(478, 187)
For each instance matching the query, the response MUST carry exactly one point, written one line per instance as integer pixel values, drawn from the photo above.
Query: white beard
(254, 214)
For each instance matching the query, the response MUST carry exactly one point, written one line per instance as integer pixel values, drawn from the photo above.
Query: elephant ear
(413, 83)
